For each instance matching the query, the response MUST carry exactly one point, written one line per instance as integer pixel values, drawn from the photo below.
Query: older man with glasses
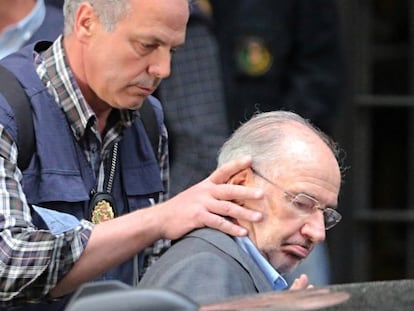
(297, 167)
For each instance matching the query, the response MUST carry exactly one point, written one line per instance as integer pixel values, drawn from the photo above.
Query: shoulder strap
(149, 119)
(15, 95)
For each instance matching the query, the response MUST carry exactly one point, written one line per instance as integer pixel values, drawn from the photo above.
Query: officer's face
(123, 66)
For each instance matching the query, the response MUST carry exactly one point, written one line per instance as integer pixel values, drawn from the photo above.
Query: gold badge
(205, 6)
(253, 57)
(103, 211)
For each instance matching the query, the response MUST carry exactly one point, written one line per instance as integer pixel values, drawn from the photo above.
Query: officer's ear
(85, 21)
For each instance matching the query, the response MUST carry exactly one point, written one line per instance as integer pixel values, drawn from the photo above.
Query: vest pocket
(53, 187)
(142, 185)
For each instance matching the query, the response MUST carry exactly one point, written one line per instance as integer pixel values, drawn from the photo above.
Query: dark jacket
(280, 54)
(207, 266)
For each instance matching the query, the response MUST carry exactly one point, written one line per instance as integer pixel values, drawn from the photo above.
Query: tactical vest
(59, 176)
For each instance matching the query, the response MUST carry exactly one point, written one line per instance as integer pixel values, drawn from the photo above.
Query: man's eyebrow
(155, 40)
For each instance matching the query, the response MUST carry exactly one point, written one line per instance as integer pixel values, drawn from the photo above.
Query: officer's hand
(207, 202)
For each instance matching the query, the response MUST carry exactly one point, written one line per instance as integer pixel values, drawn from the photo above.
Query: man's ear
(242, 178)
(84, 20)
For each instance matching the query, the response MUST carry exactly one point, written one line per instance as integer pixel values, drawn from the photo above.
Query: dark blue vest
(59, 176)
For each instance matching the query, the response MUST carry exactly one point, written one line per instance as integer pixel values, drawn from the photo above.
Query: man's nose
(160, 66)
(314, 227)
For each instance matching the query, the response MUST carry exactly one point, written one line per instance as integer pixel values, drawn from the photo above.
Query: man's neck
(13, 11)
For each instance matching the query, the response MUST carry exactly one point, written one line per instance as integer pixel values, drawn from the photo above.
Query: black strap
(149, 119)
(15, 95)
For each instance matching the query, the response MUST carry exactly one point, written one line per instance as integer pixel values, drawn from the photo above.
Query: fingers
(236, 193)
(211, 203)
(216, 220)
(193, 209)
(224, 225)
(301, 282)
(226, 171)
(235, 211)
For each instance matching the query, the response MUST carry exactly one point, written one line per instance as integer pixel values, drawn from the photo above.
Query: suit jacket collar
(229, 246)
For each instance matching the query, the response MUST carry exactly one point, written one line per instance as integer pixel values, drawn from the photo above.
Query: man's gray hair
(263, 136)
(108, 11)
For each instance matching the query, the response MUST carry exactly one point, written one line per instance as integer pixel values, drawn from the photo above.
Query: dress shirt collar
(275, 279)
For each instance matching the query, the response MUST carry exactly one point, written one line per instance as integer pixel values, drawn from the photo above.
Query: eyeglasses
(305, 205)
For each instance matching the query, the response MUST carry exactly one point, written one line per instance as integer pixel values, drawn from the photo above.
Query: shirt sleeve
(32, 261)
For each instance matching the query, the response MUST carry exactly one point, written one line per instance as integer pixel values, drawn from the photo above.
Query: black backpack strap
(15, 95)
(149, 119)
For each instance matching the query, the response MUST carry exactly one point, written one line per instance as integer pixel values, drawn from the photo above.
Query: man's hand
(208, 203)
(204, 204)
(301, 282)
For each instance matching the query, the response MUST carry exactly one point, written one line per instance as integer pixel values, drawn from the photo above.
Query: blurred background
(376, 239)
(371, 85)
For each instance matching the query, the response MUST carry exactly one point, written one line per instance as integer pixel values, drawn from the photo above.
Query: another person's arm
(204, 204)
(32, 256)
(29, 255)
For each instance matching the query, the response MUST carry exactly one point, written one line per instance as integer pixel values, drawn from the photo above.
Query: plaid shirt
(33, 261)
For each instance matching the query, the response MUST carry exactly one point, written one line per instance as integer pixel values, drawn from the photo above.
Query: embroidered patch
(253, 57)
